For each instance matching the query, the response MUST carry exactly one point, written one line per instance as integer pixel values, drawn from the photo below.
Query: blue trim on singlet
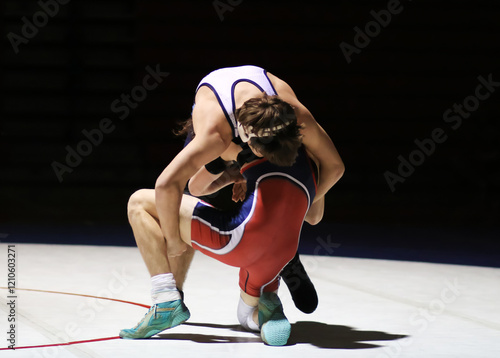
(270, 83)
(234, 86)
(220, 221)
(221, 104)
(301, 173)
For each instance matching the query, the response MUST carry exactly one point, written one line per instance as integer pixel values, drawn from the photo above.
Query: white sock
(251, 323)
(245, 316)
(164, 288)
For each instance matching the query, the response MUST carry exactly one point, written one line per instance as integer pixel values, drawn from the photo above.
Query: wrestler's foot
(159, 317)
(274, 326)
(301, 288)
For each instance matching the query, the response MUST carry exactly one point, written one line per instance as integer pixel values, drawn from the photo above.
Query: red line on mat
(63, 344)
(81, 295)
(72, 294)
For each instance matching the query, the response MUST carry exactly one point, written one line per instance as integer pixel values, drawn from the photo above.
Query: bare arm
(205, 183)
(316, 140)
(317, 208)
(206, 146)
(316, 211)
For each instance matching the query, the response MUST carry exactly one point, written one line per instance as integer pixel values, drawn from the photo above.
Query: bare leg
(168, 309)
(180, 266)
(143, 218)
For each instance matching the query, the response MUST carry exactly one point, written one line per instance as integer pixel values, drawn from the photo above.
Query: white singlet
(223, 81)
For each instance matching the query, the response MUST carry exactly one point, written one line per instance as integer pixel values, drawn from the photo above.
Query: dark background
(393, 92)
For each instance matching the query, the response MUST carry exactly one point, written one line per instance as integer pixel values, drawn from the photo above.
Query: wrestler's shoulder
(208, 114)
(284, 90)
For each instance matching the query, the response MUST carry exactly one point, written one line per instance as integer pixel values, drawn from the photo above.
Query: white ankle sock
(245, 316)
(164, 288)
(251, 323)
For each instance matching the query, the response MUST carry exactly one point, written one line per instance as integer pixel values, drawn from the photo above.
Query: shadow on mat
(317, 334)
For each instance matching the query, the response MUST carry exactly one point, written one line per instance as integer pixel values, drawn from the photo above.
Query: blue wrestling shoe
(159, 318)
(274, 326)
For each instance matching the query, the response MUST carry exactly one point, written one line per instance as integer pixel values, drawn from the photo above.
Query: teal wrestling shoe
(274, 326)
(159, 318)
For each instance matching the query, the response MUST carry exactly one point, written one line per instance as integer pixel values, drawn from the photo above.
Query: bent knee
(139, 201)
